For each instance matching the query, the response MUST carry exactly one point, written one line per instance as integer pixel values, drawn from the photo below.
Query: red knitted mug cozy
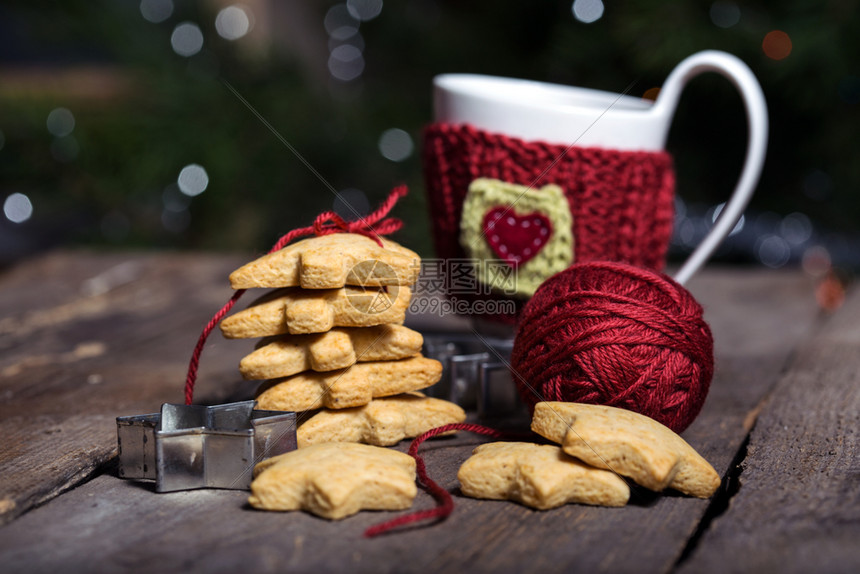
(621, 202)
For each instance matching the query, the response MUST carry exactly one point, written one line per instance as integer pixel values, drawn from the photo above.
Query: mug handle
(756, 110)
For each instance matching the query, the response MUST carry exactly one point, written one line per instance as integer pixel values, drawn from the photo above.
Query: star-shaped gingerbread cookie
(339, 348)
(381, 422)
(299, 311)
(351, 387)
(331, 261)
(628, 443)
(335, 480)
(539, 476)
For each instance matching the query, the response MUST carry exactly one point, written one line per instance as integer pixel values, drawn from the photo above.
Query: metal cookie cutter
(475, 373)
(194, 446)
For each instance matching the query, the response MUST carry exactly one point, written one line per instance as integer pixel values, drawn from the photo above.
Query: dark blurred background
(119, 128)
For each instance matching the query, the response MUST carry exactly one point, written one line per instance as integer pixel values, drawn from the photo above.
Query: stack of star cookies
(333, 339)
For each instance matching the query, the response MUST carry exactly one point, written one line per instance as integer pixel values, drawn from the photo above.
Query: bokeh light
(156, 11)
(346, 62)
(680, 209)
(187, 39)
(317, 60)
(776, 45)
(355, 40)
(395, 144)
(193, 180)
(738, 226)
(830, 292)
(351, 204)
(18, 208)
(342, 33)
(587, 11)
(232, 22)
(689, 231)
(61, 122)
(651, 94)
(725, 14)
(796, 228)
(766, 223)
(337, 18)
(174, 199)
(816, 261)
(773, 251)
(364, 10)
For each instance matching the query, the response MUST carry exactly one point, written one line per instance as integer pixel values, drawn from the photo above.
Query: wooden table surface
(87, 337)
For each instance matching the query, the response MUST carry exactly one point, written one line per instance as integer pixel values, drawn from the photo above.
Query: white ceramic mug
(589, 118)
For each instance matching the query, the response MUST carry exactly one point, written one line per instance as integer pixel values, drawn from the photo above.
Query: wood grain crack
(721, 500)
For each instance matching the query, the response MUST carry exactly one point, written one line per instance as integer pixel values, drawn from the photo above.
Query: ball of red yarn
(612, 334)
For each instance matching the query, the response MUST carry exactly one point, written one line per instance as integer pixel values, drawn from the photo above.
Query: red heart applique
(516, 238)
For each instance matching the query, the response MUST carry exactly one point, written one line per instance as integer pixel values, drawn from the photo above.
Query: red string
(372, 226)
(444, 502)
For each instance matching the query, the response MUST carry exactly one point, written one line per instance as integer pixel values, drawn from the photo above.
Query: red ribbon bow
(326, 223)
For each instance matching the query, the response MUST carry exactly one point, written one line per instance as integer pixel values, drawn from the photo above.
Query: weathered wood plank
(85, 338)
(757, 318)
(798, 507)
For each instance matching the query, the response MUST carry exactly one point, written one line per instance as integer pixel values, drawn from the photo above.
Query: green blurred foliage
(171, 111)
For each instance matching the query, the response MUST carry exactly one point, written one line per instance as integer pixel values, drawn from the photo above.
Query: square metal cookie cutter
(475, 373)
(195, 446)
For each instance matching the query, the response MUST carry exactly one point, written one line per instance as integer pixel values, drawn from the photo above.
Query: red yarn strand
(326, 223)
(191, 378)
(444, 502)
